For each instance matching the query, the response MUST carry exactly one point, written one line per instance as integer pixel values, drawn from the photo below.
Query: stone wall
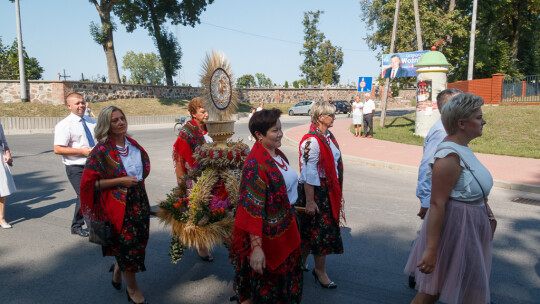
(54, 92)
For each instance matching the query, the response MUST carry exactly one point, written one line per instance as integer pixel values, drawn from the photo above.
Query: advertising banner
(400, 64)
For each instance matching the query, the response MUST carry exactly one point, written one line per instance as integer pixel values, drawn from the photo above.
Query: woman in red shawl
(192, 135)
(115, 170)
(320, 191)
(266, 243)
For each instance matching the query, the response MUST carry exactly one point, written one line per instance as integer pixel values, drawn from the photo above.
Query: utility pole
(471, 45)
(387, 81)
(22, 76)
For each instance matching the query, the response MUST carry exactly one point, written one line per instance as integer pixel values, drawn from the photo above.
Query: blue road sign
(364, 84)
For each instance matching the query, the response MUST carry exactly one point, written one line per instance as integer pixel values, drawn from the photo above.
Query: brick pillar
(276, 96)
(58, 93)
(496, 88)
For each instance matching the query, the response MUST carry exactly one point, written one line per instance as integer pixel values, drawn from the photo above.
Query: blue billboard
(400, 64)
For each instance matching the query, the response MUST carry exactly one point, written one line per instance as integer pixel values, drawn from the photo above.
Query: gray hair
(320, 108)
(459, 107)
(445, 95)
(104, 123)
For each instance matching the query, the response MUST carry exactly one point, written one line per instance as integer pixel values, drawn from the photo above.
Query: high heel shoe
(131, 300)
(330, 285)
(116, 286)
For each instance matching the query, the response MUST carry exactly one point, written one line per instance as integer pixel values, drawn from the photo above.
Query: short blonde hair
(104, 123)
(319, 108)
(459, 107)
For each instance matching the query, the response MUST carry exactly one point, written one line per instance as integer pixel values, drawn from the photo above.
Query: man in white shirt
(74, 139)
(435, 136)
(261, 107)
(368, 111)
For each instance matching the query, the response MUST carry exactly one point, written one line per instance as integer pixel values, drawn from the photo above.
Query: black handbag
(100, 227)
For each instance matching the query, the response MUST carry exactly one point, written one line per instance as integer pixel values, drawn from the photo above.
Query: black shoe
(131, 301)
(116, 286)
(330, 285)
(207, 258)
(80, 232)
(412, 282)
(304, 268)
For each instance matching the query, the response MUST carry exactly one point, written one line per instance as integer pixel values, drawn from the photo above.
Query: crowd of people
(283, 217)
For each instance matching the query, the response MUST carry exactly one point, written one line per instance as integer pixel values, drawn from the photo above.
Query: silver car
(303, 107)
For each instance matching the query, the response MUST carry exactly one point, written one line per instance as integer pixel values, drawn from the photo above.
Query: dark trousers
(368, 123)
(74, 174)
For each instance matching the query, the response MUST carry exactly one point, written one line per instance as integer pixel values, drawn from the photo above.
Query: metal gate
(521, 89)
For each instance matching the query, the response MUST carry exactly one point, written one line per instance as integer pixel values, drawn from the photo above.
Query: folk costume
(321, 165)
(189, 138)
(264, 210)
(128, 209)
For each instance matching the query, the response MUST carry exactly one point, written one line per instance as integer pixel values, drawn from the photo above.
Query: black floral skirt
(320, 232)
(130, 245)
(284, 285)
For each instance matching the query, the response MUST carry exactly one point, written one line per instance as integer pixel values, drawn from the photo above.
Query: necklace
(283, 165)
(123, 151)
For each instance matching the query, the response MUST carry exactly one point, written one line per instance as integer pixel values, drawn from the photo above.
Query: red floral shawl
(102, 163)
(327, 165)
(189, 138)
(264, 210)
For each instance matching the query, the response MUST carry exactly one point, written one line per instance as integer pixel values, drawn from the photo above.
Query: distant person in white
(261, 106)
(74, 139)
(369, 111)
(434, 137)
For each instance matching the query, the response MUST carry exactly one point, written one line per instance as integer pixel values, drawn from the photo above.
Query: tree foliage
(506, 40)
(246, 81)
(9, 63)
(144, 68)
(152, 15)
(322, 60)
(262, 80)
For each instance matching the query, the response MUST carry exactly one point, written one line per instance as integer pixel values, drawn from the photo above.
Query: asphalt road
(41, 262)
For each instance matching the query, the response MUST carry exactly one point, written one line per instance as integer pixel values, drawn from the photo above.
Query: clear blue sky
(56, 32)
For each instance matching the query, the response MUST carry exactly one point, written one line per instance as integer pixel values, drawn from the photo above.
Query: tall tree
(262, 80)
(103, 35)
(322, 60)
(9, 63)
(152, 15)
(144, 68)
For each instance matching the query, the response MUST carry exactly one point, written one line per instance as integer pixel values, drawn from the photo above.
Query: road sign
(364, 84)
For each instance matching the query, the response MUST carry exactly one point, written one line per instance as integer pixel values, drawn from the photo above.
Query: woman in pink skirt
(451, 259)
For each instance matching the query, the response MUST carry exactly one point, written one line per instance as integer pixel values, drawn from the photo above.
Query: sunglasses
(333, 115)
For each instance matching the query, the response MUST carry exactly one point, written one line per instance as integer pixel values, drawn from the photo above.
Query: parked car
(342, 106)
(302, 107)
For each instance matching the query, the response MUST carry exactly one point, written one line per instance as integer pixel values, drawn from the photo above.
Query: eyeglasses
(332, 115)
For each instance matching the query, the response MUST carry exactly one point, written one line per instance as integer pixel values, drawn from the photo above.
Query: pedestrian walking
(451, 258)
(358, 117)
(265, 247)
(114, 174)
(7, 185)
(74, 139)
(320, 192)
(368, 112)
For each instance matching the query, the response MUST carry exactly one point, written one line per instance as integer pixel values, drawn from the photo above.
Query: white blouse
(310, 160)
(132, 161)
(357, 108)
(291, 179)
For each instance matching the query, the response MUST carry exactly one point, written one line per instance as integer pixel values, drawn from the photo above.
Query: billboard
(400, 64)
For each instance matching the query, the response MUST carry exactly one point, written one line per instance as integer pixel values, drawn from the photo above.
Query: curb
(412, 169)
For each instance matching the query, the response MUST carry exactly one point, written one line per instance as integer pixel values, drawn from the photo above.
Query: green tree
(144, 68)
(246, 81)
(152, 15)
(322, 60)
(103, 35)
(295, 84)
(9, 63)
(505, 39)
(262, 80)
(286, 84)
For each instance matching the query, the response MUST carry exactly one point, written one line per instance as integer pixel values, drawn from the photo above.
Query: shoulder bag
(101, 227)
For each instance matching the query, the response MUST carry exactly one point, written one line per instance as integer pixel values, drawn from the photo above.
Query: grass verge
(510, 130)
